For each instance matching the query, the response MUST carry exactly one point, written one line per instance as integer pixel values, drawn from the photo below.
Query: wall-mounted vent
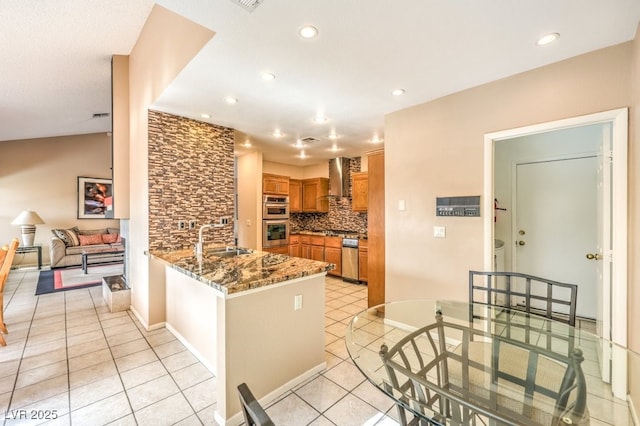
(249, 5)
(310, 139)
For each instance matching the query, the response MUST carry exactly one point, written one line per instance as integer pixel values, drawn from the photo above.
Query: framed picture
(94, 197)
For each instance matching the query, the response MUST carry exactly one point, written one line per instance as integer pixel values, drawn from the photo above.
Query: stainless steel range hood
(339, 176)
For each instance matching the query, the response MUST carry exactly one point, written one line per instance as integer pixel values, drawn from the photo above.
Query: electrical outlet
(181, 225)
(224, 220)
(192, 224)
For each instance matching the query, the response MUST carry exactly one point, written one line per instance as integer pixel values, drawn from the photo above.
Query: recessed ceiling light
(247, 144)
(398, 92)
(334, 148)
(376, 139)
(319, 119)
(333, 136)
(231, 100)
(302, 155)
(308, 31)
(549, 38)
(204, 115)
(277, 133)
(298, 144)
(268, 76)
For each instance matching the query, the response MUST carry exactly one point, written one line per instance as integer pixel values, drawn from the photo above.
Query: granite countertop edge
(240, 273)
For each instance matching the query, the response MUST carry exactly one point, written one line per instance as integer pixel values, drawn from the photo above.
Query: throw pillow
(110, 238)
(68, 236)
(113, 230)
(86, 240)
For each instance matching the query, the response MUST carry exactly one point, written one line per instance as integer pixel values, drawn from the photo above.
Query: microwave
(275, 207)
(275, 233)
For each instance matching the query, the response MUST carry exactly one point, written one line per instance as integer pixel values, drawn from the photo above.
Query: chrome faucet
(200, 242)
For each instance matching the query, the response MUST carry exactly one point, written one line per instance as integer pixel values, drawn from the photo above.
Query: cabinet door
(314, 195)
(360, 192)
(317, 253)
(295, 196)
(274, 184)
(294, 250)
(334, 255)
(305, 251)
(363, 265)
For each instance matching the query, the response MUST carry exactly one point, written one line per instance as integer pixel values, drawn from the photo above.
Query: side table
(30, 249)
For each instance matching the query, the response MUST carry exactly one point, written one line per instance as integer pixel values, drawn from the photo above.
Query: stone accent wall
(339, 217)
(191, 177)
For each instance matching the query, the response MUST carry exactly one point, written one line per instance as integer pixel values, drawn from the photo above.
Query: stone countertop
(243, 272)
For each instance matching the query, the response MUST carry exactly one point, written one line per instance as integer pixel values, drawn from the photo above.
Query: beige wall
(166, 44)
(436, 149)
(42, 175)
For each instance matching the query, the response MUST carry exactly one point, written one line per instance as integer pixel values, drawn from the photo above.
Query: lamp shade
(28, 217)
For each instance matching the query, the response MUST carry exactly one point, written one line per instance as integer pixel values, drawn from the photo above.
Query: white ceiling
(56, 61)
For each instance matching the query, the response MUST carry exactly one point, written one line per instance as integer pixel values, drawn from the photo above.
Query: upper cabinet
(295, 196)
(314, 195)
(360, 191)
(274, 184)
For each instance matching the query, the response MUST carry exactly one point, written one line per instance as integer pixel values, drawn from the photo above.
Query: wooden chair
(4, 274)
(252, 411)
(484, 378)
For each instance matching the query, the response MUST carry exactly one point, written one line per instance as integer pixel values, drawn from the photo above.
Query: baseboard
(144, 323)
(634, 413)
(193, 350)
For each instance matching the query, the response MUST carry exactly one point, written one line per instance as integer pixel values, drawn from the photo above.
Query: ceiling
(56, 62)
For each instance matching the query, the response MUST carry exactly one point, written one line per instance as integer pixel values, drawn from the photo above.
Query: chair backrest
(252, 411)
(534, 295)
(7, 261)
(460, 373)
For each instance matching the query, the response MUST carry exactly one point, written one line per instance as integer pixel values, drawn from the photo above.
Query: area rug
(73, 278)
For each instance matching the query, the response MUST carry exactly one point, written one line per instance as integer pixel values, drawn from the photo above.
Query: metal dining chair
(252, 411)
(535, 296)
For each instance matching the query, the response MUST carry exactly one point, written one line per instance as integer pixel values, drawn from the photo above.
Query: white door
(556, 224)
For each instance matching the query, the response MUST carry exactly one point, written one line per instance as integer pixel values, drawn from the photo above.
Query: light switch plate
(439, 232)
(297, 302)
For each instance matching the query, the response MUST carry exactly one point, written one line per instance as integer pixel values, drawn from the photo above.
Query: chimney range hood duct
(339, 171)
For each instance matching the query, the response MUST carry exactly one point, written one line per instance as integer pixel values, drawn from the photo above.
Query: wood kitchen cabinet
(314, 195)
(359, 191)
(317, 247)
(305, 246)
(275, 184)
(294, 246)
(295, 196)
(375, 230)
(363, 260)
(333, 254)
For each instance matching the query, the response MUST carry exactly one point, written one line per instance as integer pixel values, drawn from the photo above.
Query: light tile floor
(68, 356)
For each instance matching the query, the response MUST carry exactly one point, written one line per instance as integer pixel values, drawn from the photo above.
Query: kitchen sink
(228, 252)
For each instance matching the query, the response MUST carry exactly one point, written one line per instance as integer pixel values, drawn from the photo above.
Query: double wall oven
(275, 221)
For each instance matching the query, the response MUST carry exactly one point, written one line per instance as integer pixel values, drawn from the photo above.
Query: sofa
(67, 245)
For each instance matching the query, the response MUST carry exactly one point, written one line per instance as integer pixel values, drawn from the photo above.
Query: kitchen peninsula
(249, 316)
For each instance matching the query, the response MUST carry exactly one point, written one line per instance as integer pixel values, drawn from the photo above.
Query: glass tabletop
(453, 362)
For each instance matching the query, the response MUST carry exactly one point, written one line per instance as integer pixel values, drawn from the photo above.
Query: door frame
(619, 123)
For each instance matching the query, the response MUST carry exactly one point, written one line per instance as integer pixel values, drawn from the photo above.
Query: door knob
(521, 243)
(593, 256)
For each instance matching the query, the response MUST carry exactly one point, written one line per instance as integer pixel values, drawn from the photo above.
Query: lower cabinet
(294, 246)
(305, 246)
(363, 264)
(333, 254)
(317, 247)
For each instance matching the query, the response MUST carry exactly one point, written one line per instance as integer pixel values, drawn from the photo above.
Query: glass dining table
(458, 363)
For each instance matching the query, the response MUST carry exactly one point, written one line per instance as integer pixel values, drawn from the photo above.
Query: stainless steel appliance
(350, 259)
(275, 232)
(275, 207)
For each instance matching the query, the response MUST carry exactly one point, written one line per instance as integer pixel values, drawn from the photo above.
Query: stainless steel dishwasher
(350, 259)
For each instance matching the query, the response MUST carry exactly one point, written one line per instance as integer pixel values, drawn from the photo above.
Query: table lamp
(28, 220)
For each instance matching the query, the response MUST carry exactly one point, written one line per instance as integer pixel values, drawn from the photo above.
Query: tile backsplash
(339, 217)
(190, 179)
